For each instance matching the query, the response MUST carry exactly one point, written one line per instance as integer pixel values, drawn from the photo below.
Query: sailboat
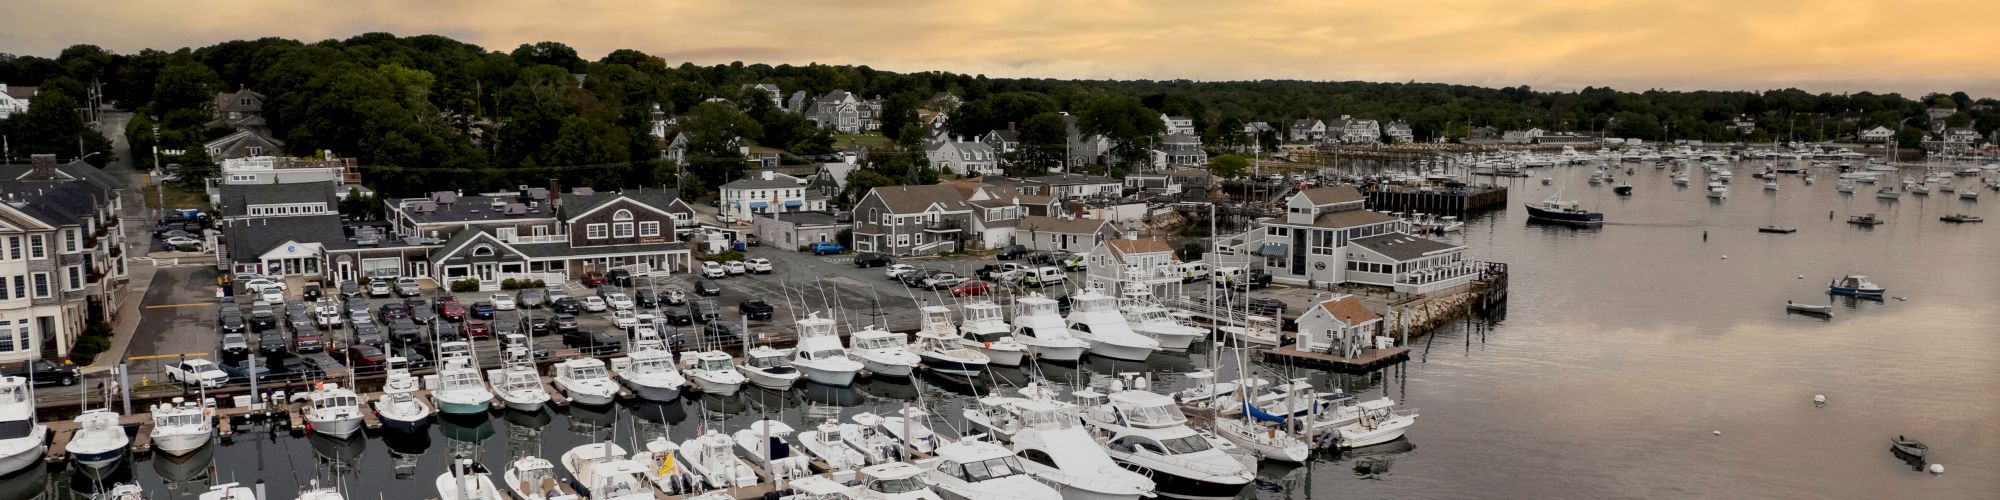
(820, 356)
(398, 406)
(1039, 326)
(648, 370)
(180, 427)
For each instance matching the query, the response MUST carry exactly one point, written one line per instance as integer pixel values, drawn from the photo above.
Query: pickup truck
(756, 309)
(196, 372)
(828, 248)
(45, 372)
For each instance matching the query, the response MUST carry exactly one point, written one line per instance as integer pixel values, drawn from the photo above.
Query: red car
(363, 356)
(450, 310)
(969, 288)
(475, 328)
(593, 279)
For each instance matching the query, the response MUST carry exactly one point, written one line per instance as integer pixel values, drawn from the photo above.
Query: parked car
(624, 318)
(538, 326)
(235, 344)
(300, 368)
(350, 289)
(271, 344)
(591, 342)
(566, 305)
(263, 318)
(531, 298)
(971, 288)
(723, 332)
(706, 310)
(756, 308)
(363, 356)
(475, 328)
(828, 248)
(565, 323)
(379, 288)
(422, 316)
(916, 278)
(196, 372)
(619, 277)
(43, 371)
(898, 270)
(942, 280)
(618, 300)
(450, 310)
(311, 293)
(393, 311)
(592, 279)
(481, 310)
(713, 270)
(735, 267)
(307, 340)
(502, 302)
(408, 287)
(1001, 272)
(1011, 252)
(368, 334)
(758, 265)
(239, 371)
(594, 304)
(271, 296)
(403, 331)
(258, 285)
(1044, 276)
(232, 323)
(678, 315)
(674, 297)
(414, 357)
(707, 287)
(871, 259)
(644, 298)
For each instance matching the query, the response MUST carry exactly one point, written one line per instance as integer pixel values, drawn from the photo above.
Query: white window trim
(649, 229)
(621, 230)
(596, 231)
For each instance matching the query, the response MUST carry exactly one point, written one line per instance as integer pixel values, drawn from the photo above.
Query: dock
(1437, 200)
(1370, 358)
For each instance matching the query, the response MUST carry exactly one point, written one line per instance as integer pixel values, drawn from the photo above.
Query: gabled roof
(914, 199)
(250, 239)
(1350, 218)
(579, 205)
(65, 202)
(1123, 247)
(242, 137)
(1402, 247)
(462, 239)
(757, 181)
(21, 91)
(1064, 226)
(1349, 311)
(232, 101)
(1305, 123)
(1332, 194)
(1004, 135)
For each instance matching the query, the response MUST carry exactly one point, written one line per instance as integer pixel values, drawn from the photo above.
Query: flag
(666, 464)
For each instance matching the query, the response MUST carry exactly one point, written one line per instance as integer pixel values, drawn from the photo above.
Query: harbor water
(1651, 357)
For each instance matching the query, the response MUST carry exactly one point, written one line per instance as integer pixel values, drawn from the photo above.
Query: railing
(941, 226)
(546, 238)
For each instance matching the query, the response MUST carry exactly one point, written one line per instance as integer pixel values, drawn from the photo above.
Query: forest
(428, 112)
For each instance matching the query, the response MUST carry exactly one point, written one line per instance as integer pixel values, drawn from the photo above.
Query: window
(41, 285)
(13, 248)
(69, 240)
(75, 278)
(902, 240)
(35, 250)
(649, 228)
(482, 250)
(621, 230)
(255, 151)
(621, 214)
(21, 286)
(595, 231)
(3, 289)
(7, 337)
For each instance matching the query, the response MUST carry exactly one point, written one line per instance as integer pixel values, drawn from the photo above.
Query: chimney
(555, 194)
(44, 167)
(1010, 126)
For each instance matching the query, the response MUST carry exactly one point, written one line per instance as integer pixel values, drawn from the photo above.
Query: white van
(1043, 276)
(1194, 271)
(1223, 276)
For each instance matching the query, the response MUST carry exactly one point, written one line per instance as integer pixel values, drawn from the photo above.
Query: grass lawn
(178, 196)
(862, 139)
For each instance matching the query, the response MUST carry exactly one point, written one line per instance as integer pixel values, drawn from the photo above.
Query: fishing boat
(944, 354)
(661, 468)
(98, 441)
(1174, 332)
(768, 443)
(1255, 330)
(1865, 220)
(1968, 194)
(865, 435)
(883, 353)
(313, 491)
(909, 426)
(398, 407)
(602, 473)
(181, 426)
(985, 330)
(1094, 318)
(769, 368)
(891, 481)
(1770, 185)
(333, 410)
(229, 491)
(826, 443)
(714, 372)
(1909, 447)
(1854, 285)
(1717, 190)
(534, 478)
(1559, 211)
(460, 390)
(1812, 309)
(1844, 187)
(648, 370)
(1062, 454)
(1962, 218)
(516, 381)
(1038, 325)
(584, 381)
(1778, 229)
(467, 480)
(1920, 190)
(1146, 433)
(712, 457)
(1376, 426)
(820, 356)
(979, 469)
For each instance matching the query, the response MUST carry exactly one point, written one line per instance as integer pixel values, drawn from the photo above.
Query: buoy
(1718, 433)
(1819, 398)
(1725, 256)
(1802, 276)
(1937, 468)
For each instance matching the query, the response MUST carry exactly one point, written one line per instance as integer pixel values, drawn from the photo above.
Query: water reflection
(887, 388)
(184, 474)
(26, 483)
(827, 395)
(338, 457)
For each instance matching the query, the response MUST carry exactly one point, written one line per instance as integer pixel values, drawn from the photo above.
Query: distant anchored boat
(1962, 218)
(1560, 211)
(1816, 310)
(1865, 220)
(1777, 229)
(1855, 285)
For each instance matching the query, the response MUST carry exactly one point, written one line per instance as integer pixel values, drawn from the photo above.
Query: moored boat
(1855, 285)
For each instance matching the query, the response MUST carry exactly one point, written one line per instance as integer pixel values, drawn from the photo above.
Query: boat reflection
(180, 474)
(30, 482)
(844, 396)
(897, 388)
(338, 456)
(669, 413)
(405, 450)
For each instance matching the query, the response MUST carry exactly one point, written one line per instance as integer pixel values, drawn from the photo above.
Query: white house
(1177, 124)
(963, 158)
(1125, 263)
(1522, 136)
(1341, 326)
(1326, 237)
(1055, 234)
(1360, 131)
(1878, 134)
(1309, 130)
(1399, 132)
(765, 192)
(14, 99)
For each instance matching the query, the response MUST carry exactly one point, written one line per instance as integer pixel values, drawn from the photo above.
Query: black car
(567, 305)
(620, 277)
(565, 323)
(312, 293)
(538, 326)
(367, 334)
(756, 309)
(723, 332)
(644, 298)
(871, 259)
(707, 287)
(706, 310)
(263, 319)
(300, 368)
(404, 331)
(423, 315)
(678, 315)
(1011, 252)
(299, 321)
(591, 342)
(502, 329)
(271, 344)
(916, 278)
(232, 323)
(350, 289)
(44, 372)
(415, 357)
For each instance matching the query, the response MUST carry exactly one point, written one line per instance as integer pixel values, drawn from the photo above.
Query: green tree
(185, 85)
(1229, 166)
(1044, 145)
(715, 132)
(899, 115)
(860, 181)
(549, 53)
(1127, 124)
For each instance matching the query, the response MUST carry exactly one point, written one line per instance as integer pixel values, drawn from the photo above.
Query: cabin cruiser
(1149, 435)
(1149, 318)
(1855, 285)
(893, 481)
(820, 356)
(1094, 318)
(99, 441)
(585, 381)
(1557, 210)
(1717, 190)
(943, 353)
(180, 427)
(1061, 453)
(658, 462)
(516, 381)
(1039, 326)
(467, 480)
(534, 478)
(865, 436)
(333, 410)
(714, 372)
(883, 353)
(769, 443)
(982, 330)
(768, 367)
(602, 473)
(648, 370)
(825, 442)
(398, 406)
(979, 469)
(460, 390)
(712, 457)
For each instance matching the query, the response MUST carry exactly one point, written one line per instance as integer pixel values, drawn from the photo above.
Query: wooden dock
(1369, 359)
(1437, 200)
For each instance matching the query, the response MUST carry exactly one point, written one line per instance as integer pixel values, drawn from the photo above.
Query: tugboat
(1559, 211)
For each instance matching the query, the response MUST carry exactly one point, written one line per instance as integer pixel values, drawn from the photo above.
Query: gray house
(911, 220)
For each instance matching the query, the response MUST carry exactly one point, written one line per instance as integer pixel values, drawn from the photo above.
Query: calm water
(1622, 350)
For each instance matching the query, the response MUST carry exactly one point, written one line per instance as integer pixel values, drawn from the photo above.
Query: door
(483, 271)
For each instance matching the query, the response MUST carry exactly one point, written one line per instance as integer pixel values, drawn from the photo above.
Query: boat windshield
(767, 362)
(905, 485)
(992, 469)
(1160, 415)
(826, 353)
(588, 372)
(716, 365)
(652, 365)
(1147, 315)
(982, 312)
(14, 429)
(878, 343)
(178, 419)
(334, 402)
(1185, 444)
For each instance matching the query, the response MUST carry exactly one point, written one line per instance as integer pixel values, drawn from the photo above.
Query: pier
(1436, 200)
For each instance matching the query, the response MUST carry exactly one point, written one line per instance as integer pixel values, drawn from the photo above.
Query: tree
(1126, 123)
(1229, 166)
(549, 53)
(899, 113)
(1044, 145)
(185, 85)
(715, 132)
(859, 182)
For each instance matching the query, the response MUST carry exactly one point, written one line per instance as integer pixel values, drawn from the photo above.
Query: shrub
(465, 285)
(722, 256)
(535, 284)
(509, 284)
(95, 340)
(1192, 252)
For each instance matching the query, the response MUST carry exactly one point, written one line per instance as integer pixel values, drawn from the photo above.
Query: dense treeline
(427, 111)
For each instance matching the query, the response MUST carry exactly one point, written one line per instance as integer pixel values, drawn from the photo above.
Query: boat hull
(1122, 352)
(31, 448)
(882, 369)
(1552, 216)
(1174, 341)
(337, 427)
(717, 388)
(948, 366)
(463, 408)
(1056, 353)
(1387, 431)
(836, 378)
(651, 392)
(1857, 292)
(179, 444)
(590, 398)
(1176, 486)
(1003, 357)
(771, 381)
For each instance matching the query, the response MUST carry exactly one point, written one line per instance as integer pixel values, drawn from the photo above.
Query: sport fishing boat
(770, 368)
(714, 372)
(883, 353)
(820, 356)
(1559, 211)
(603, 473)
(944, 354)
(892, 481)
(460, 390)
(1039, 325)
(584, 381)
(982, 329)
(313, 491)
(99, 441)
(712, 457)
(660, 467)
(534, 478)
(1855, 285)
(1061, 453)
(979, 469)
(180, 427)
(516, 381)
(1095, 319)
(1148, 434)
(333, 410)
(768, 443)
(648, 370)
(826, 443)
(399, 407)
(908, 426)
(1149, 318)
(467, 480)
(865, 436)
(229, 491)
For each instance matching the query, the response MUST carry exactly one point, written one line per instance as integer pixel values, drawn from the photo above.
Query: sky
(1908, 46)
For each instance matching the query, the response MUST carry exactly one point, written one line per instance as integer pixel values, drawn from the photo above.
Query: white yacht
(908, 426)
(883, 353)
(1149, 318)
(180, 427)
(770, 368)
(820, 356)
(892, 481)
(649, 369)
(768, 443)
(313, 491)
(99, 441)
(865, 437)
(585, 381)
(1039, 325)
(944, 354)
(825, 442)
(460, 390)
(334, 411)
(979, 469)
(1149, 435)
(22, 439)
(982, 329)
(399, 407)
(1094, 318)
(1058, 451)
(1717, 190)
(656, 458)
(516, 381)
(1375, 426)
(534, 478)
(604, 473)
(467, 481)
(712, 457)
(714, 372)
(229, 491)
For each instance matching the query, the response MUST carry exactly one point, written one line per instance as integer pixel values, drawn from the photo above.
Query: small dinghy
(1815, 310)
(1778, 229)
(1909, 447)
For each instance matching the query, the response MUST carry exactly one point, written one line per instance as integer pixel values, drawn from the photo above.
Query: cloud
(1829, 45)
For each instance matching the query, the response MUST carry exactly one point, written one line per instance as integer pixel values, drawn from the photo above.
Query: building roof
(252, 238)
(474, 208)
(1332, 194)
(65, 202)
(1401, 246)
(1350, 218)
(804, 218)
(1005, 135)
(1071, 180)
(241, 137)
(759, 180)
(104, 182)
(578, 204)
(1349, 311)
(1122, 247)
(1058, 225)
(913, 199)
(21, 91)
(237, 198)
(232, 101)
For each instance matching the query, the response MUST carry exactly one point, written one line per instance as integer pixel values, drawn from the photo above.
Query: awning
(759, 204)
(794, 203)
(1272, 250)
